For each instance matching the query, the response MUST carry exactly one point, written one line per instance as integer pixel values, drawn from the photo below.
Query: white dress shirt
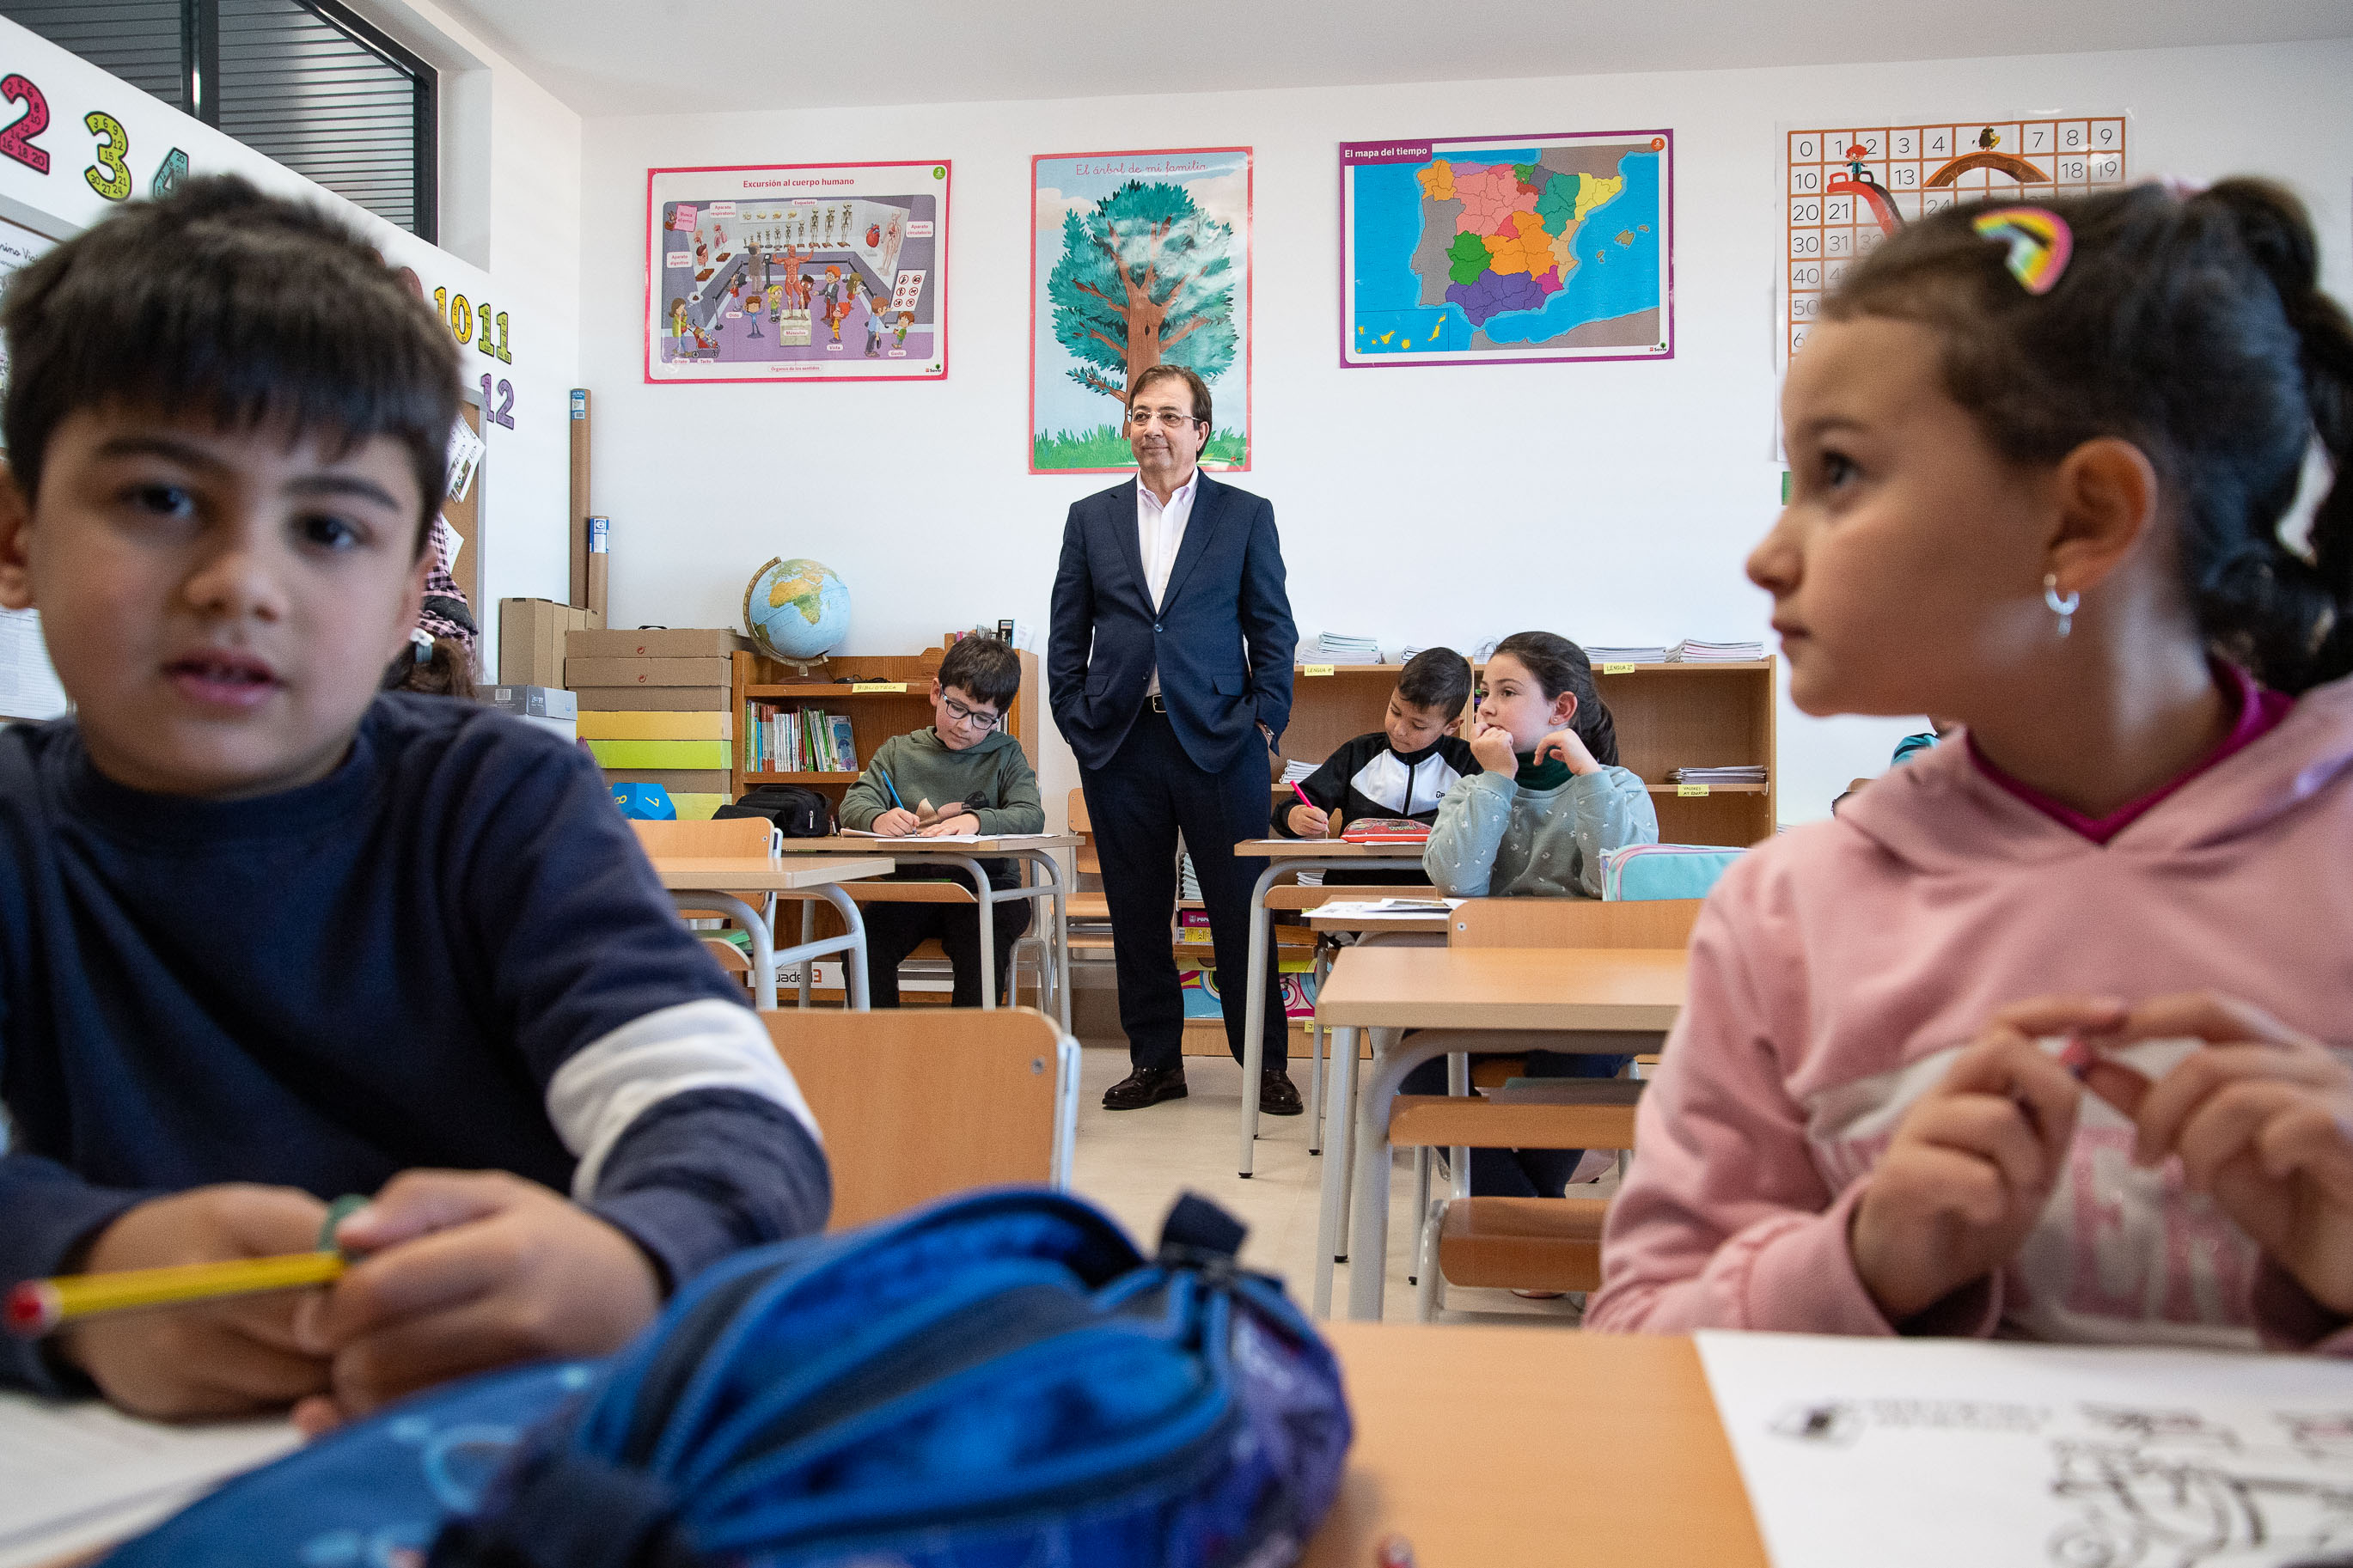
(1160, 533)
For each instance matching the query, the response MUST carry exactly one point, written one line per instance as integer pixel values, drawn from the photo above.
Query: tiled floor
(1136, 1162)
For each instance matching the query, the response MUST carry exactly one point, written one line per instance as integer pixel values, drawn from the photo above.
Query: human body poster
(1138, 260)
(1488, 250)
(797, 272)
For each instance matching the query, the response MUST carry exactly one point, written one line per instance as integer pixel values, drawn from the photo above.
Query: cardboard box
(531, 639)
(717, 674)
(692, 781)
(656, 726)
(535, 701)
(718, 700)
(657, 642)
(661, 753)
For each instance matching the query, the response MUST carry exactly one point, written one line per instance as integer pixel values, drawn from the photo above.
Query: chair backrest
(1088, 860)
(714, 836)
(1641, 871)
(1573, 922)
(914, 1107)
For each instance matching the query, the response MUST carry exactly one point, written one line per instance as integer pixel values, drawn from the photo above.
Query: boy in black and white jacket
(1403, 769)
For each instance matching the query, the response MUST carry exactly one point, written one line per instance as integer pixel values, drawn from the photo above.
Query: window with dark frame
(303, 82)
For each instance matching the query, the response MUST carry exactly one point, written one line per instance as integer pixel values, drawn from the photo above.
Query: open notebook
(82, 1475)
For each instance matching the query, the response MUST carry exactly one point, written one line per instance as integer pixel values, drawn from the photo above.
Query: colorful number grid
(1906, 171)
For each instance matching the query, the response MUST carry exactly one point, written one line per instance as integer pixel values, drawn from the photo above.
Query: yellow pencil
(38, 1305)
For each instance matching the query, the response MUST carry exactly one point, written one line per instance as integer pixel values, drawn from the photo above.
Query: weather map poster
(797, 272)
(1136, 260)
(1498, 250)
(1848, 187)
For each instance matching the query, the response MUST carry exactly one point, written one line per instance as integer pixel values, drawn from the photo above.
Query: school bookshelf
(881, 696)
(1668, 716)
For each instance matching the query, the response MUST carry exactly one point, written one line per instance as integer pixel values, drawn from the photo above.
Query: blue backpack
(998, 1380)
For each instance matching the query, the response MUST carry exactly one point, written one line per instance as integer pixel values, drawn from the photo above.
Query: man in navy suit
(1169, 668)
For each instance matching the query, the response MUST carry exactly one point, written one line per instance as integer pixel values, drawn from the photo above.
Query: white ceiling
(608, 57)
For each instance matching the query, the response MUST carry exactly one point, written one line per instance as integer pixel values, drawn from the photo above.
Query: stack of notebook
(1644, 655)
(1738, 773)
(1691, 650)
(1292, 772)
(1338, 647)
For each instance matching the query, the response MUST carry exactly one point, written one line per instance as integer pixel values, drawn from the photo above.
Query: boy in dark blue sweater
(267, 937)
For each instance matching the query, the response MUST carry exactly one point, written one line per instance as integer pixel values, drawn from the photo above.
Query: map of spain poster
(1495, 250)
(1136, 260)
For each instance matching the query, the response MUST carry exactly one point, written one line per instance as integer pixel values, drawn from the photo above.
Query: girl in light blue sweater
(1534, 825)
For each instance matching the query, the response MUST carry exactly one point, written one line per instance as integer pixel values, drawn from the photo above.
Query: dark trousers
(1138, 803)
(894, 930)
(1521, 1173)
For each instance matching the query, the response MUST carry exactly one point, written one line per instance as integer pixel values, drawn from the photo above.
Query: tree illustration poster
(1136, 260)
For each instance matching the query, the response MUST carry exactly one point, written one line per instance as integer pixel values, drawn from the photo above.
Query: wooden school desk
(1608, 999)
(699, 882)
(1368, 931)
(1036, 850)
(1490, 1447)
(1288, 857)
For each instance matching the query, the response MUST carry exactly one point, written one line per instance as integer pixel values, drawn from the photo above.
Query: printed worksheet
(1968, 1452)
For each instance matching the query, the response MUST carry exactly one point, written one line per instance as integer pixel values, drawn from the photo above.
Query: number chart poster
(797, 272)
(1507, 250)
(1850, 188)
(1136, 260)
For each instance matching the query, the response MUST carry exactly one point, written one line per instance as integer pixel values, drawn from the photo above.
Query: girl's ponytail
(2277, 234)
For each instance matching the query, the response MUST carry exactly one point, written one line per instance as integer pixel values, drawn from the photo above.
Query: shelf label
(1619, 667)
(1691, 791)
(1314, 669)
(857, 686)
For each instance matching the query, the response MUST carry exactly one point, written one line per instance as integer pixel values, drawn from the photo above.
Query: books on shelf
(1340, 647)
(1731, 773)
(1692, 650)
(1292, 772)
(791, 741)
(1188, 886)
(1645, 653)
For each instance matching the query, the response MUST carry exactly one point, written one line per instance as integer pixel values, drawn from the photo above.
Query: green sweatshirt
(1498, 838)
(991, 777)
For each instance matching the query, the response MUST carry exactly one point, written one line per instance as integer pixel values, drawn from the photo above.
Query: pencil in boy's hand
(38, 1305)
(892, 787)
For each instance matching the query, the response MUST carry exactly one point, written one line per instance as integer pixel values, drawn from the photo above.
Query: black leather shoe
(1149, 1086)
(1277, 1095)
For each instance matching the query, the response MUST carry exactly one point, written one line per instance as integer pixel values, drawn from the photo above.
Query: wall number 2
(17, 137)
(503, 412)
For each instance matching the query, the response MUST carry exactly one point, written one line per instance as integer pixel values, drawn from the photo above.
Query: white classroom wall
(1612, 502)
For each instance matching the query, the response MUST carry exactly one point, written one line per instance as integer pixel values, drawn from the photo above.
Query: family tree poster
(1496, 250)
(798, 271)
(1136, 260)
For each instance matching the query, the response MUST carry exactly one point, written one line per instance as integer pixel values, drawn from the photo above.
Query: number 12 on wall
(499, 409)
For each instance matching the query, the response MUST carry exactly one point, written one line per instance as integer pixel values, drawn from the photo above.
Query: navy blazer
(1223, 637)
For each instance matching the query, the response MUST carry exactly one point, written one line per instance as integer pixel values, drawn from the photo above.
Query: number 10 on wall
(459, 312)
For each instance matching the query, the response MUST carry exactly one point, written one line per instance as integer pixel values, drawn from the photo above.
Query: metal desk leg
(853, 962)
(808, 935)
(1317, 1038)
(988, 908)
(1062, 940)
(1254, 1008)
(764, 945)
(1458, 1083)
(1329, 1240)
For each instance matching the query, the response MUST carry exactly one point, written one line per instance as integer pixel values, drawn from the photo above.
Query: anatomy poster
(797, 272)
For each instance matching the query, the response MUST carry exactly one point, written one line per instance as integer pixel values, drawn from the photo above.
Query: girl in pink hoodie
(2029, 1039)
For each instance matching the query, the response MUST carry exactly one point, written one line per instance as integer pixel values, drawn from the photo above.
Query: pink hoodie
(1837, 970)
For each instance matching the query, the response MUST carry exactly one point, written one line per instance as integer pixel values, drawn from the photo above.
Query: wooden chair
(1529, 1244)
(719, 836)
(913, 1108)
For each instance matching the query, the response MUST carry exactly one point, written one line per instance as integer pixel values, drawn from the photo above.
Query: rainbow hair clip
(2039, 241)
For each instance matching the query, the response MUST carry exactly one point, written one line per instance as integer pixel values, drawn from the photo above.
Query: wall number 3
(110, 177)
(503, 412)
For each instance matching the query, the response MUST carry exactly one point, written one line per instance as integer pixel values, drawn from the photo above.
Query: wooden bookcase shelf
(1668, 716)
(874, 715)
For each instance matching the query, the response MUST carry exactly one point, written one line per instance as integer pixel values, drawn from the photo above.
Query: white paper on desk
(944, 837)
(1388, 909)
(1969, 1453)
(78, 1475)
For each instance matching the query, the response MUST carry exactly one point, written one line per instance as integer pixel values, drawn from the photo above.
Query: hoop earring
(2062, 606)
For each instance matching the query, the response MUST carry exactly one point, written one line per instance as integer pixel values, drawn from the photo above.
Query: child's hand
(468, 1270)
(1973, 1162)
(2263, 1119)
(225, 1358)
(1492, 746)
(897, 823)
(960, 824)
(1569, 746)
(1309, 822)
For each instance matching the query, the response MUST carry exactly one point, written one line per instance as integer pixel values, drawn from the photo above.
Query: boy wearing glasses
(963, 775)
